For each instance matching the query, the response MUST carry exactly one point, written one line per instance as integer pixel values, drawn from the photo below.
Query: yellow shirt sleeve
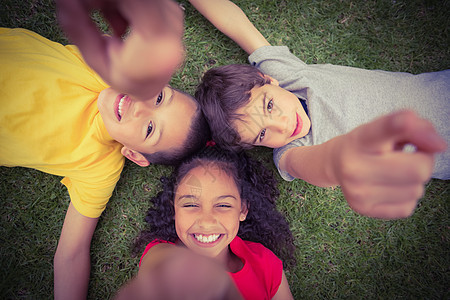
(49, 119)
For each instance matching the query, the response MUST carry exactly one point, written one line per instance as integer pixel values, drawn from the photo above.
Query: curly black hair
(258, 190)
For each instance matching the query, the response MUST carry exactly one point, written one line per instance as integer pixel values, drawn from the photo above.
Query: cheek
(119, 134)
(233, 223)
(182, 223)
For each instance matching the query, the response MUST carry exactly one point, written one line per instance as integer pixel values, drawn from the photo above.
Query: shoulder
(256, 250)
(262, 268)
(151, 245)
(269, 51)
(273, 58)
(91, 188)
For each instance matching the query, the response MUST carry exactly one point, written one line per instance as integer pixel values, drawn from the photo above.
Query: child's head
(213, 197)
(161, 130)
(245, 108)
(208, 207)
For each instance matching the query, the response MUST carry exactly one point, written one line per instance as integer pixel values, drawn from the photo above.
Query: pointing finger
(391, 132)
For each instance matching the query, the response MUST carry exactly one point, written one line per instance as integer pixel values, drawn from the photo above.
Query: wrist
(334, 164)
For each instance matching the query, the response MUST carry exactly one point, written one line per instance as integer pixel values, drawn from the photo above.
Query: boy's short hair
(199, 133)
(222, 91)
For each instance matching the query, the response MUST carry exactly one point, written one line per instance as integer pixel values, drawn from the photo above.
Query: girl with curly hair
(222, 205)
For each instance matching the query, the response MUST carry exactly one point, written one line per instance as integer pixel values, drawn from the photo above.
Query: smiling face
(208, 210)
(157, 124)
(273, 117)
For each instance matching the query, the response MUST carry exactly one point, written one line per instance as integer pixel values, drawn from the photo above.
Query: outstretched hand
(378, 178)
(143, 62)
(181, 274)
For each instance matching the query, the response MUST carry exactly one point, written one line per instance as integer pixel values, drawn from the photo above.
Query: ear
(134, 156)
(244, 212)
(272, 80)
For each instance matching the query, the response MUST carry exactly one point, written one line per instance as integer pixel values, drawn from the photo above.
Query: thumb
(393, 131)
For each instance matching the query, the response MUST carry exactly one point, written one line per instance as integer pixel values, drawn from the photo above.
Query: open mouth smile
(207, 239)
(121, 100)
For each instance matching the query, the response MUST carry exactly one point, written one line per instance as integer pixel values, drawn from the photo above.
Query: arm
(139, 65)
(231, 20)
(171, 272)
(72, 257)
(283, 290)
(378, 179)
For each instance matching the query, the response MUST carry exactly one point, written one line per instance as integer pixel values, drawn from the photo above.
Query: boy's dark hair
(258, 190)
(222, 91)
(199, 133)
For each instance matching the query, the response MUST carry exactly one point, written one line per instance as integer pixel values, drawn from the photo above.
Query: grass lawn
(340, 254)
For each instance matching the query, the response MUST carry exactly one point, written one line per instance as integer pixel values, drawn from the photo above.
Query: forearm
(314, 164)
(72, 257)
(71, 275)
(378, 179)
(231, 20)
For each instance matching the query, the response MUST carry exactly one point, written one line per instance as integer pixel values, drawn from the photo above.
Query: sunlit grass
(340, 254)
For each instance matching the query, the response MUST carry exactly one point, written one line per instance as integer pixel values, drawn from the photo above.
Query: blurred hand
(182, 275)
(142, 63)
(377, 177)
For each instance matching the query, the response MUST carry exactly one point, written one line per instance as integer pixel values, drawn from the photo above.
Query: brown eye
(270, 106)
(149, 129)
(262, 134)
(159, 99)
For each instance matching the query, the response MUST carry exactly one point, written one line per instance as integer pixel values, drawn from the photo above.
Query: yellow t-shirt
(49, 118)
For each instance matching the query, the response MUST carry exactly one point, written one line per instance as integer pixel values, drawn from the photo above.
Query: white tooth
(121, 104)
(207, 239)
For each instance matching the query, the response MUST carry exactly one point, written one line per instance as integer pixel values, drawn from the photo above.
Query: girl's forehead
(206, 172)
(208, 177)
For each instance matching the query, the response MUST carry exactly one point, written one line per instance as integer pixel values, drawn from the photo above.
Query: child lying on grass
(58, 116)
(330, 125)
(220, 205)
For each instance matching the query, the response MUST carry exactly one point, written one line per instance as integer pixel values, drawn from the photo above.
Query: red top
(261, 274)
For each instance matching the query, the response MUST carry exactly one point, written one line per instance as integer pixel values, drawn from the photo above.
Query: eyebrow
(195, 197)
(186, 197)
(226, 196)
(264, 113)
(173, 94)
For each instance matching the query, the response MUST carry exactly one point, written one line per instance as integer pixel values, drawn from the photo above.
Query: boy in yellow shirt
(60, 117)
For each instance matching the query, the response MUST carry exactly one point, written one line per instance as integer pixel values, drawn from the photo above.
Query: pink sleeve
(270, 267)
(150, 245)
(275, 269)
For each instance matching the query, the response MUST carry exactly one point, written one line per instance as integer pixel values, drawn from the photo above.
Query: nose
(278, 124)
(206, 218)
(140, 107)
(137, 108)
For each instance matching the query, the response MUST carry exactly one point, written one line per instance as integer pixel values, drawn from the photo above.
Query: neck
(230, 260)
